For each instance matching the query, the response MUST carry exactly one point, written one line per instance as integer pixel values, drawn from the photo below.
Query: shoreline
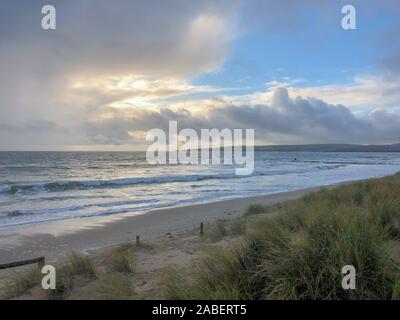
(110, 265)
(53, 239)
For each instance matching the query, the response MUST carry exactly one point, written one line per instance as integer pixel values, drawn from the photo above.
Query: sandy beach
(55, 238)
(108, 264)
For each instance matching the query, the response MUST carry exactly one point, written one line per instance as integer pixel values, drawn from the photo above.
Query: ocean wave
(330, 167)
(56, 186)
(346, 162)
(59, 186)
(5, 188)
(113, 204)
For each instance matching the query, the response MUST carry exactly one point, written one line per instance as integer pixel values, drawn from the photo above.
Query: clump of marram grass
(259, 209)
(237, 226)
(308, 265)
(216, 231)
(79, 264)
(255, 209)
(300, 252)
(21, 282)
(224, 275)
(212, 281)
(175, 284)
(64, 285)
(121, 258)
(396, 290)
(219, 275)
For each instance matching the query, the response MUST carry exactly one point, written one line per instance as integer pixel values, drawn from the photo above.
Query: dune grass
(299, 252)
(79, 264)
(237, 226)
(174, 283)
(77, 276)
(218, 230)
(214, 232)
(255, 209)
(21, 282)
(121, 258)
(65, 283)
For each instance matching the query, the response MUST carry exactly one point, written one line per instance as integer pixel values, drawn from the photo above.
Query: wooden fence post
(41, 262)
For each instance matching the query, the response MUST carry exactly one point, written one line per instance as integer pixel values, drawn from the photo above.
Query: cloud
(284, 120)
(97, 37)
(156, 40)
(362, 95)
(88, 81)
(136, 90)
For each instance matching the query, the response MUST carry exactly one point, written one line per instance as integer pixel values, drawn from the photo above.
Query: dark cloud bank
(285, 120)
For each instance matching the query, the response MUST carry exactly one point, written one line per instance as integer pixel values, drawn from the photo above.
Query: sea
(43, 186)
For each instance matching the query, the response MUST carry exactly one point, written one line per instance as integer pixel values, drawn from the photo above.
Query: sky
(112, 70)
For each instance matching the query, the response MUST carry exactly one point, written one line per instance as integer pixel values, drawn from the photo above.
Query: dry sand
(54, 239)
